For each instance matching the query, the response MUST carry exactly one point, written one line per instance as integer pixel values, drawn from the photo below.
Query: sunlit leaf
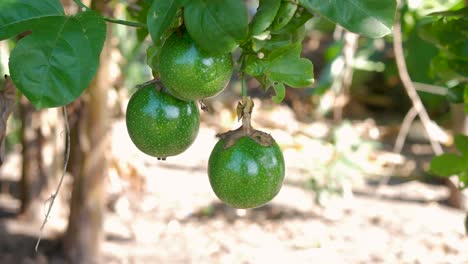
(56, 63)
(370, 18)
(17, 16)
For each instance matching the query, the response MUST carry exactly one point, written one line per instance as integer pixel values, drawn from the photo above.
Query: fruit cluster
(246, 167)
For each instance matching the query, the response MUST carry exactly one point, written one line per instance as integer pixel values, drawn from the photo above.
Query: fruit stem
(248, 105)
(244, 86)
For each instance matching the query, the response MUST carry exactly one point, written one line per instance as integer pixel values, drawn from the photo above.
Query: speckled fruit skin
(246, 175)
(159, 124)
(188, 72)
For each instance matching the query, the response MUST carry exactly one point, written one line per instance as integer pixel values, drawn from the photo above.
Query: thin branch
(346, 76)
(403, 133)
(112, 20)
(400, 141)
(65, 165)
(408, 84)
(429, 88)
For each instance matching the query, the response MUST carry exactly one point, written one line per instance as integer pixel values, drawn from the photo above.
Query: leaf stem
(124, 22)
(80, 4)
(110, 19)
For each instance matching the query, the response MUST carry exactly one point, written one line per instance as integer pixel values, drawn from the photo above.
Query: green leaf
(459, 12)
(139, 12)
(461, 142)
(287, 38)
(16, 15)
(286, 65)
(370, 18)
(299, 19)
(216, 26)
(447, 165)
(161, 16)
(455, 94)
(280, 92)
(266, 13)
(450, 31)
(282, 66)
(449, 69)
(466, 99)
(285, 14)
(56, 63)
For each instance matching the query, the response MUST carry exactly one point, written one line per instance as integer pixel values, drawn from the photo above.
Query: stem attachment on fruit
(244, 112)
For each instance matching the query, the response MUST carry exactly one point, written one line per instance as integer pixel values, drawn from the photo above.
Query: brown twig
(404, 129)
(59, 185)
(418, 106)
(7, 103)
(346, 76)
(408, 84)
(429, 88)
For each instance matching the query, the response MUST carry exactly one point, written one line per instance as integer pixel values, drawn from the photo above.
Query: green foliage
(282, 66)
(161, 16)
(285, 14)
(17, 16)
(449, 164)
(56, 63)
(448, 32)
(216, 26)
(265, 16)
(139, 12)
(370, 18)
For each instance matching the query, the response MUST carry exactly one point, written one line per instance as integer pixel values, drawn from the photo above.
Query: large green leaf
(447, 165)
(266, 13)
(285, 14)
(161, 16)
(216, 26)
(56, 63)
(371, 18)
(16, 15)
(461, 142)
(282, 66)
(285, 65)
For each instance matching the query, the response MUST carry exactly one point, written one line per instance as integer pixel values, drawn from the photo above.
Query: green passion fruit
(246, 167)
(247, 174)
(190, 73)
(159, 124)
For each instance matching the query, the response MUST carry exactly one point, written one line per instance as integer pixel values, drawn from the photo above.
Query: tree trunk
(33, 178)
(7, 102)
(90, 139)
(459, 119)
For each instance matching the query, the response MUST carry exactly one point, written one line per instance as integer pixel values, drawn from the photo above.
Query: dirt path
(176, 218)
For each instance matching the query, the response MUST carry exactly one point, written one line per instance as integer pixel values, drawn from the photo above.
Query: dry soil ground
(175, 218)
